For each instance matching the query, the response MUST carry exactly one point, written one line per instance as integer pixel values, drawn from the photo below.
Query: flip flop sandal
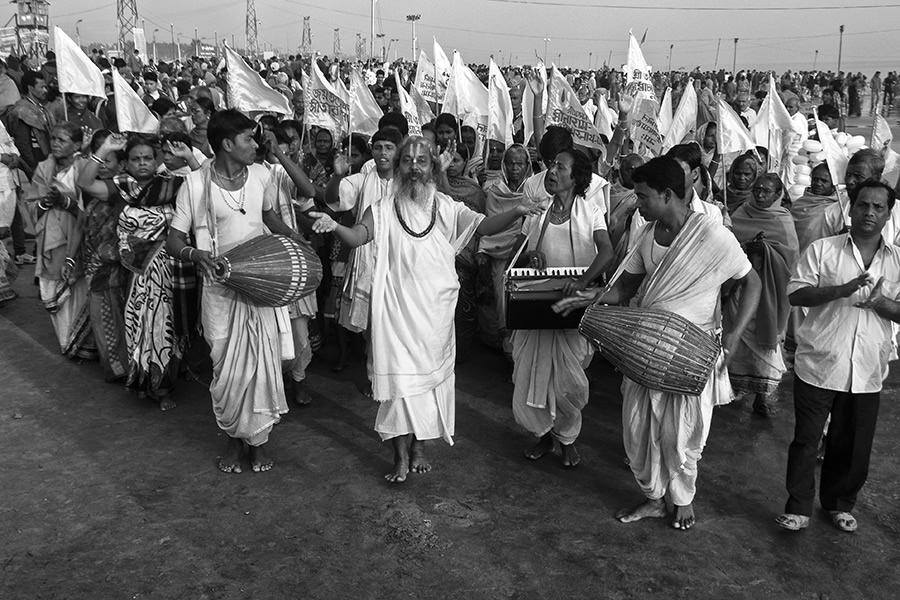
(792, 522)
(843, 521)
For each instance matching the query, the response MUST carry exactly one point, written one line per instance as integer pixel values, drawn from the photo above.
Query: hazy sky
(578, 30)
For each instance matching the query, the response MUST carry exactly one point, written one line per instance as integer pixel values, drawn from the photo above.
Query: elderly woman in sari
(766, 232)
(461, 188)
(809, 209)
(502, 195)
(55, 204)
(741, 178)
(158, 309)
(551, 386)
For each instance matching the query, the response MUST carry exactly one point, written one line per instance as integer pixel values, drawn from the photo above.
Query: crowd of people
(416, 234)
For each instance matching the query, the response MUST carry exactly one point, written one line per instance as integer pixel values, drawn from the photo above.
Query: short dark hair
(878, 185)
(871, 157)
(226, 125)
(358, 141)
(30, 78)
(661, 173)
(206, 104)
(162, 105)
(387, 134)
(179, 136)
(151, 76)
(687, 153)
(396, 120)
(140, 139)
(183, 87)
(447, 120)
(555, 140)
(581, 170)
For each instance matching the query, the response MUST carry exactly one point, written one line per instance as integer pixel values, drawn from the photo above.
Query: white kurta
(414, 293)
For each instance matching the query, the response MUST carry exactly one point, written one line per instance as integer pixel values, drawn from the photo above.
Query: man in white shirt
(843, 349)
(743, 102)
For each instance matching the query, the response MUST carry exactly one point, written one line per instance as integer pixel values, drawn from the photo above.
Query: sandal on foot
(792, 522)
(843, 521)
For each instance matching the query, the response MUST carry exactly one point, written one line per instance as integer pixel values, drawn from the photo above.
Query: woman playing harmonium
(551, 387)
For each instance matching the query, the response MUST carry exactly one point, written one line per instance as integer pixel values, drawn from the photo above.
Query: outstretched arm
(353, 237)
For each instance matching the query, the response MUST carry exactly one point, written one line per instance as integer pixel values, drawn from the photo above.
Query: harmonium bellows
(531, 294)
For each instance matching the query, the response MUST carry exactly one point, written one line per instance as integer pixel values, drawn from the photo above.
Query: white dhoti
(245, 347)
(428, 416)
(551, 386)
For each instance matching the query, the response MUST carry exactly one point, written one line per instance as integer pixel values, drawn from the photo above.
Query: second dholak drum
(655, 348)
(270, 270)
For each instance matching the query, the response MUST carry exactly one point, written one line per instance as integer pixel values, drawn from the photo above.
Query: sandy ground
(104, 496)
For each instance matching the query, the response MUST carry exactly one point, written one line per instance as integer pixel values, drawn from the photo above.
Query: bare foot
(571, 458)
(259, 460)
(401, 460)
(545, 446)
(166, 402)
(418, 463)
(231, 461)
(301, 396)
(649, 509)
(684, 517)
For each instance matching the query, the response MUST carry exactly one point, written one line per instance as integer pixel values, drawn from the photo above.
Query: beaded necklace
(410, 231)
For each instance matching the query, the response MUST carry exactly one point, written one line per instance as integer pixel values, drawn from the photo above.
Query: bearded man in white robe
(416, 234)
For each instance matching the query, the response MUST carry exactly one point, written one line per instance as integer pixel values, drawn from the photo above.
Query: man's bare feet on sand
(418, 463)
(684, 517)
(545, 446)
(401, 460)
(571, 458)
(259, 460)
(301, 396)
(649, 509)
(165, 402)
(231, 461)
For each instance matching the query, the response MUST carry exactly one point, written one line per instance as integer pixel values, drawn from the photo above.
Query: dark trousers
(17, 230)
(847, 447)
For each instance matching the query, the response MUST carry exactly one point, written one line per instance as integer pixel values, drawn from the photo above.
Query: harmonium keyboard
(531, 294)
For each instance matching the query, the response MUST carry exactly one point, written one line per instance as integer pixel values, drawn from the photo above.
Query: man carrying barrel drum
(683, 259)
(224, 204)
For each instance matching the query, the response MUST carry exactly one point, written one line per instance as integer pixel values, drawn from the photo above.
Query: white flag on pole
(131, 112)
(76, 73)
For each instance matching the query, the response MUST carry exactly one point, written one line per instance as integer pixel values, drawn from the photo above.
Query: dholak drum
(656, 348)
(270, 270)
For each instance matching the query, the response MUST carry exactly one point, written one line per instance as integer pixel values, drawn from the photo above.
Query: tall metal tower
(127, 19)
(252, 44)
(360, 46)
(306, 40)
(337, 43)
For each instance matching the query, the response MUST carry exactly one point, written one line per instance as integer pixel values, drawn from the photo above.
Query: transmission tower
(337, 43)
(360, 47)
(127, 19)
(306, 40)
(252, 45)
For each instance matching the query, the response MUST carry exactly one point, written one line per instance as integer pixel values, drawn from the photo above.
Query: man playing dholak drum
(679, 264)
(416, 233)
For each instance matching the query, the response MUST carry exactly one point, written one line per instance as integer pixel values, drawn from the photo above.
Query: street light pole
(815, 60)
(734, 63)
(840, 47)
(546, 41)
(412, 19)
(196, 44)
(155, 57)
(172, 29)
(77, 32)
(670, 57)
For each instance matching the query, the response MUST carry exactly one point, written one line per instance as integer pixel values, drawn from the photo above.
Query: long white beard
(415, 192)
